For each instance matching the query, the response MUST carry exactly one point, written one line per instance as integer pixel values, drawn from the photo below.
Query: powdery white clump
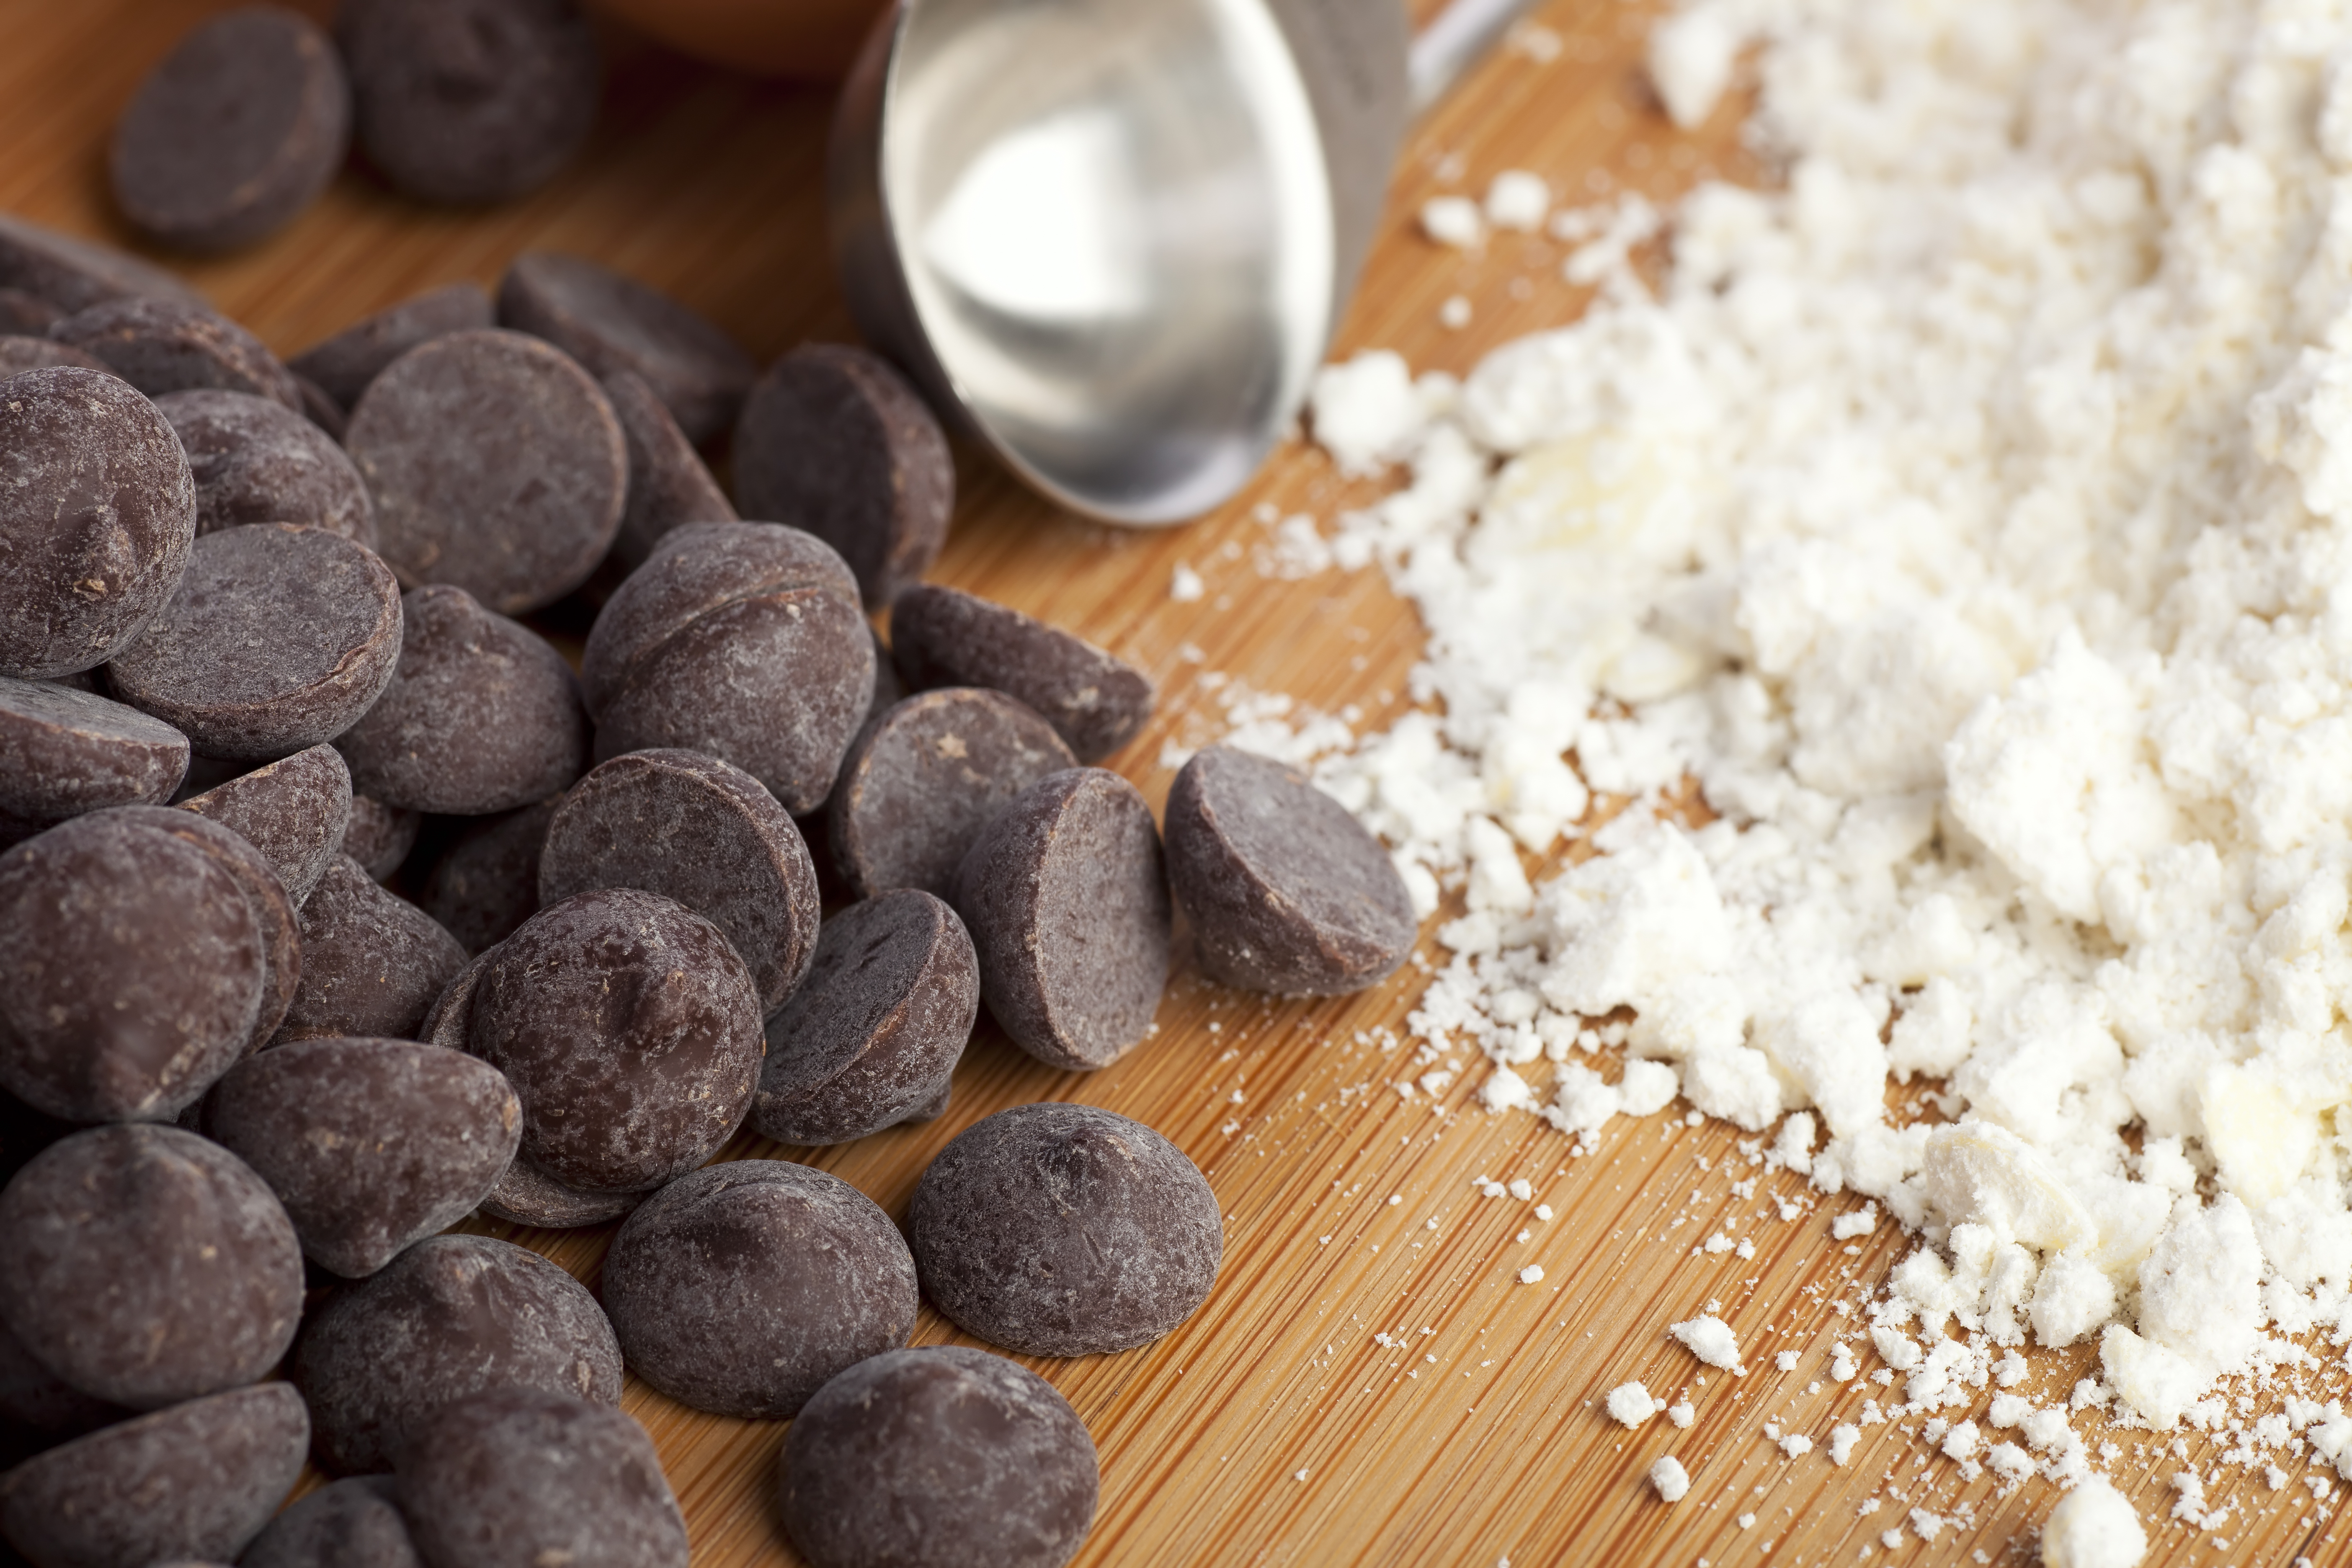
(2093, 1526)
(1967, 518)
(1842, 1438)
(1680, 1414)
(1452, 220)
(1710, 1338)
(1518, 200)
(1631, 1404)
(1670, 1479)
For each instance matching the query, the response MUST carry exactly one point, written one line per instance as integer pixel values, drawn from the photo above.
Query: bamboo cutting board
(1274, 1426)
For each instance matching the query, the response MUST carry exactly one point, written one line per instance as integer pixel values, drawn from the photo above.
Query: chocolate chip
(72, 274)
(1285, 890)
(372, 962)
(273, 908)
(704, 833)
(518, 1478)
(295, 811)
(742, 639)
(1061, 1229)
(469, 101)
(669, 485)
(742, 1288)
(279, 638)
(351, 1524)
(482, 716)
(835, 440)
(524, 1195)
(486, 882)
(99, 511)
(194, 1482)
(21, 314)
(379, 836)
(495, 465)
(1067, 905)
(873, 1035)
(920, 783)
(137, 968)
(148, 1265)
(345, 365)
(370, 1144)
(169, 345)
(234, 133)
(630, 1028)
(610, 323)
(18, 354)
(935, 1457)
(63, 753)
(451, 1316)
(945, 636)
(256, 461)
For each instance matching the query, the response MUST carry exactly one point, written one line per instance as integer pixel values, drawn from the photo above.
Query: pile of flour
(1972, 521)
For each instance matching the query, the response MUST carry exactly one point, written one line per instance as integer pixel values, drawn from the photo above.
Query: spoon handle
(1450, 45)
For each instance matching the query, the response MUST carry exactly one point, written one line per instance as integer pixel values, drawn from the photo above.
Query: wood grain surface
(1272, 1428)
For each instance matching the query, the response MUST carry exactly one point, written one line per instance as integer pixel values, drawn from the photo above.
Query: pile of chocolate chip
(260, 677)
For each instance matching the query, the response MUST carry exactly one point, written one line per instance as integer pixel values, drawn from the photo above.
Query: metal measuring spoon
(1114, 237)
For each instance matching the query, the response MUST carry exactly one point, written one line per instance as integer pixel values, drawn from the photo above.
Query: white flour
(1973, 522)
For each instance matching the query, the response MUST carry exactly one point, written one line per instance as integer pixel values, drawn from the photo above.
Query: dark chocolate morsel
(191, 1483)
(235, 133)
(745, 640)
(872, 1037)
(631, 1029)
(610, 323)
(524, 1195)
(255, 461)
(833, 441)
(379, 836)
(451, 1316)
(273, 907)
(945, 636)
(921, 781)
(351, 1524)
(27, 315)
(668, 484)
(486, 882)
(148, 1265)
(495, 465)
(469, 101)
(743, 1287)
(370, 1144)
(296, 811)
(1067, 904)
(167, 346)
(279, 638)
(72, 274)
(701, 831)
(18, 354)
(343, 365)
(1059, 1229)
(134, 964)
(482, 715)
(518, 1478)
(63, 753)
(934, 1458)
(373, 963)
(99, 511)
(1285, 890)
